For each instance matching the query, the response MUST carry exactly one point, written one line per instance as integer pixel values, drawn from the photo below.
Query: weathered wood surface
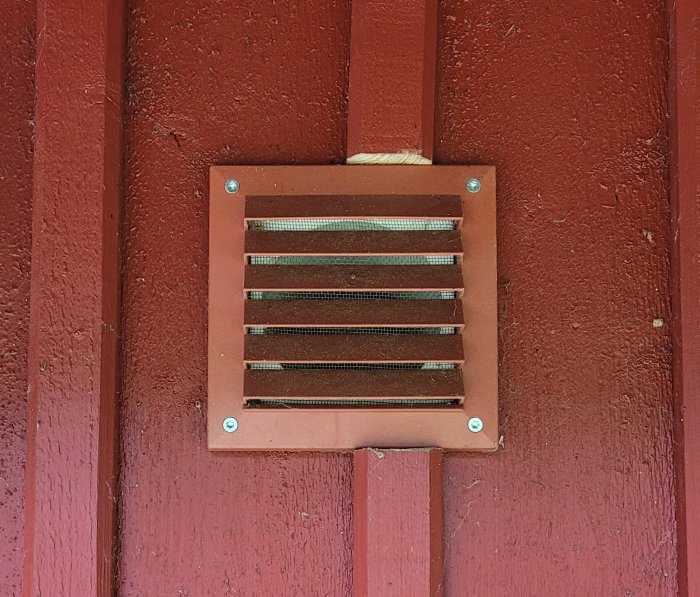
(398, 535)
(74, 318)
(684, 105)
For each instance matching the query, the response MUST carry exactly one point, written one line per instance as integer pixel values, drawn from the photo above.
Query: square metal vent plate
(352, 306)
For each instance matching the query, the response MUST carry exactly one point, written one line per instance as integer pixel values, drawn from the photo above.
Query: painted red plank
(392, 78)
(684, 96)
(591, 510)
(247, 524)
(17, 19)
(397, 510)
(74, 299)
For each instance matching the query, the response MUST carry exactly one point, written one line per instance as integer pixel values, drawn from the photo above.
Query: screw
(473, 185)
(230, 424)
(475, 424)
(232, 186)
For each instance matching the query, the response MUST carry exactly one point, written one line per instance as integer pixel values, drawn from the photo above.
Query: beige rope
(404, 157)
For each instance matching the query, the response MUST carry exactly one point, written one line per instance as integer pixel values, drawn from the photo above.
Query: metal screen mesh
(310, 225)
(356, 296)
(357, 403)
(349, 331)
(352, 260)
(352, 366)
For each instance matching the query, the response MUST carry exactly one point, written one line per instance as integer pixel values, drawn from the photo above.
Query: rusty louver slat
(300, 384)
(353, 277)
(352, 313)
(353, 349)
(366, 242)
(424, 207)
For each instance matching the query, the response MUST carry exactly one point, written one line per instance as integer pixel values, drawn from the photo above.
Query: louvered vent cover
(352, 306)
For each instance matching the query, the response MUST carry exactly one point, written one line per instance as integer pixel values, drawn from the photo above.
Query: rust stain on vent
(352, 306)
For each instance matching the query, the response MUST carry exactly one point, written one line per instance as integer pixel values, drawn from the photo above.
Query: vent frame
(347, 429)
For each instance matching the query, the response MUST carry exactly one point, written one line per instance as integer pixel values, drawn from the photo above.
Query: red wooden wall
(217, 82)
(16, 113)
(568, 102)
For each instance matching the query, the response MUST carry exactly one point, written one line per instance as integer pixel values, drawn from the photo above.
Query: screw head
(473, 185)
(232, 186)
(475, 424)
(230, 424)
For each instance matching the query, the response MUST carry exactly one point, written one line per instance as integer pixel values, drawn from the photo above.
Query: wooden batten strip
(71, 480)
(397, 519)
(684, 182)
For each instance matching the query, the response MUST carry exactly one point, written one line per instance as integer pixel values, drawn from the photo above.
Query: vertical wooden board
(211, 82)
(17, 99)
(72, 371)
(684, 103)
(397, 548)
(392, 78)
(572, 114)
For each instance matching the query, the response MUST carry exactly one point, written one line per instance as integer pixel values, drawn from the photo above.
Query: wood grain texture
(398, 523)
(684, 102)
(568, 102)
(194, 522)
(17, 20)
(74, 300)
(392, 77)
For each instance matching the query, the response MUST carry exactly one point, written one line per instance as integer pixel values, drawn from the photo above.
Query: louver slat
(350, 313)
(341, 383)
(370, 242)
(408, 348)
(353, 277)
(353, 206)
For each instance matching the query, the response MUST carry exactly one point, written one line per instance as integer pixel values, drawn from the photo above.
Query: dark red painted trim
(684, 96)
(397, 510)
(73, 342)
(392, 77)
